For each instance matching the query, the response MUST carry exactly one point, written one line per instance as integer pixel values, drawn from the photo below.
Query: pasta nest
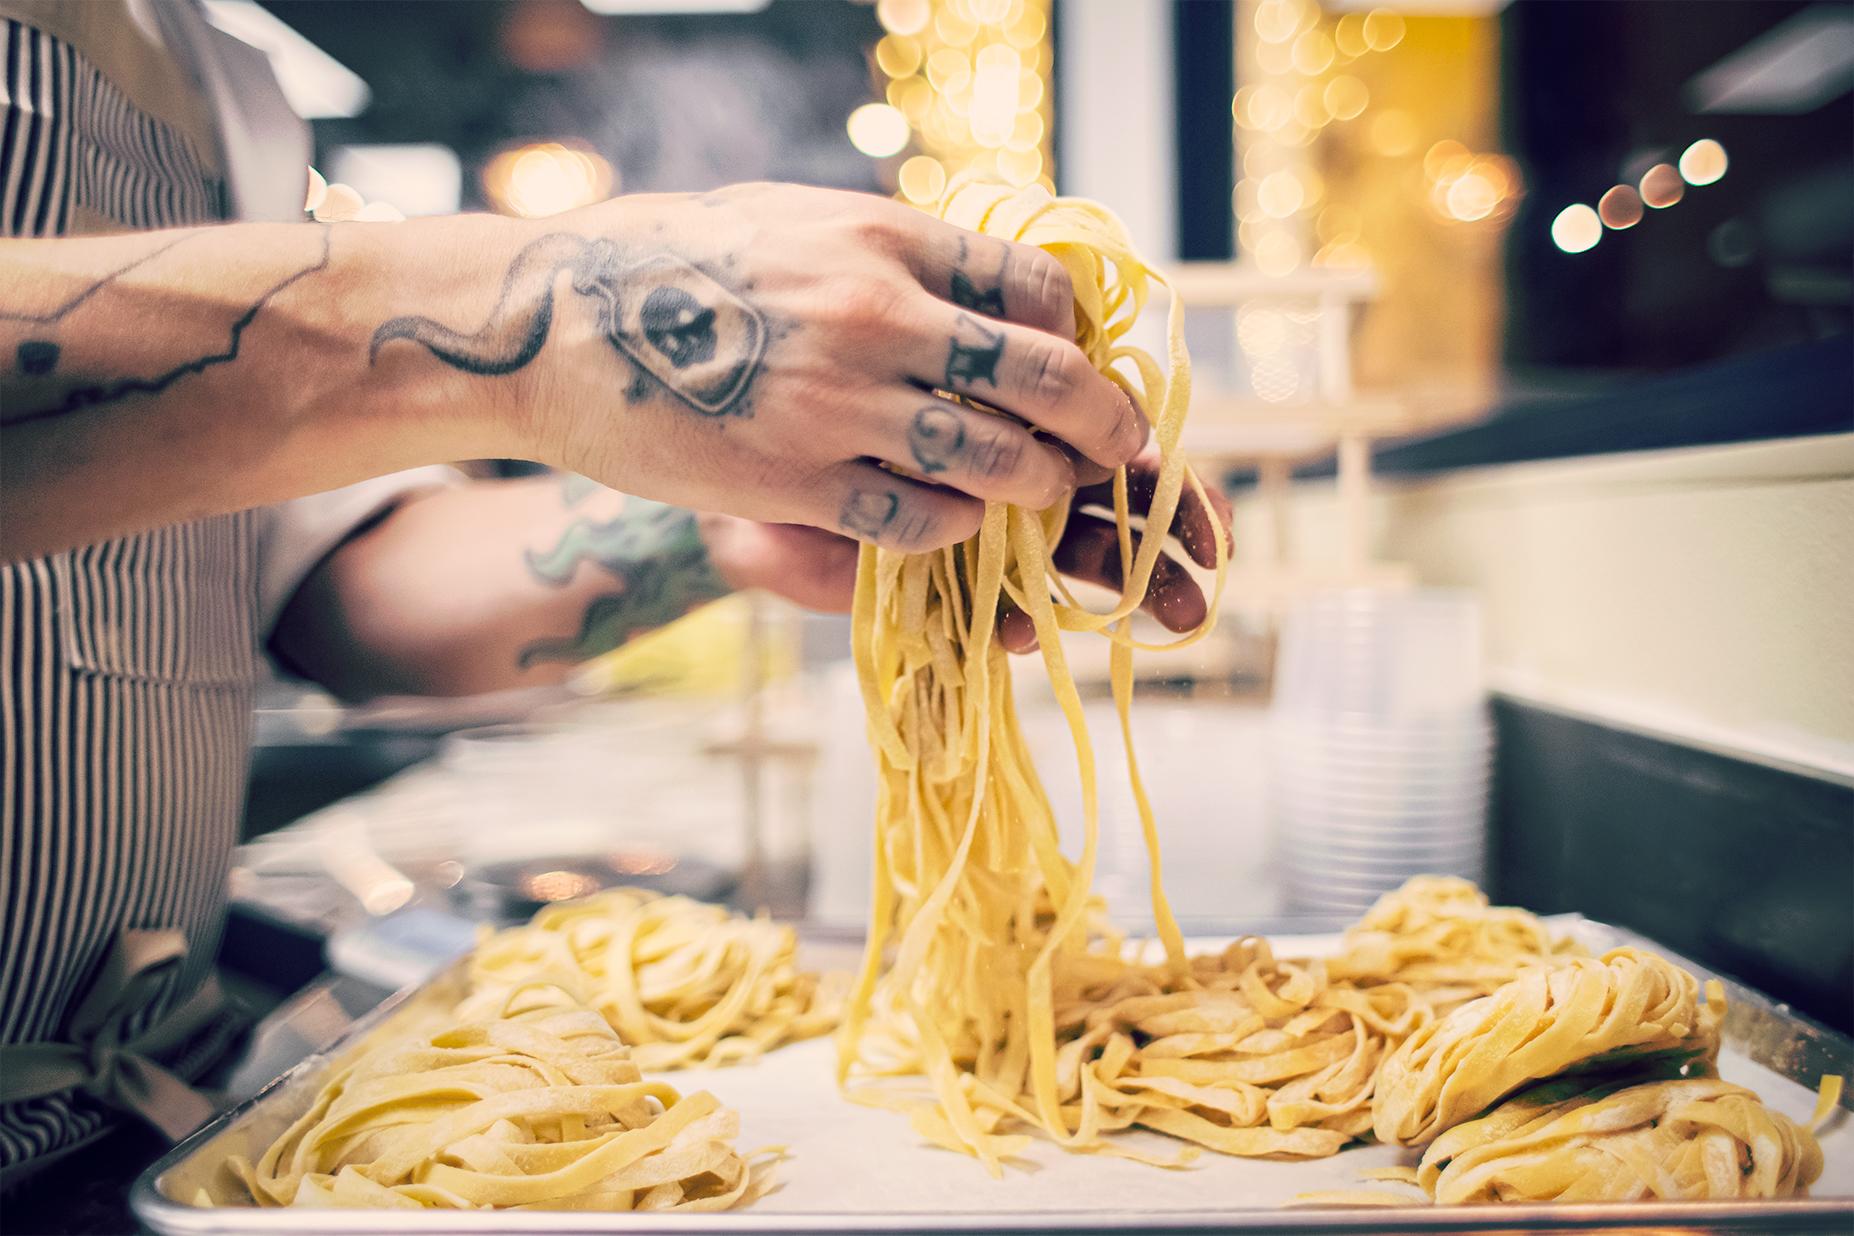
(1439, 935)
(545, 1110)
(1580, 1014)
(1246, 1055)
(683, 983)
(1682, 1139)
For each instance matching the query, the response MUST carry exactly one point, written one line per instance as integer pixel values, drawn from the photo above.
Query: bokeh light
(903, 16)
(1661, 186)
(897, 55)
(546, 178)
(922, 179)
(878, 130)
(1620, 208)
(1346, 97)
(1576, 229)
(1393, 132)
(1703, 162)
(1383, 30)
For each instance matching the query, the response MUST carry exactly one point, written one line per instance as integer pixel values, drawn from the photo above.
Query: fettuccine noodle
(682, 982)
(1690, 1138)
(989, 920)
(1583, 1013)
(543, 1110)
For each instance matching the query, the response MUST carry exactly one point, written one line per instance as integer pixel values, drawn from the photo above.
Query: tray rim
(172, 1218)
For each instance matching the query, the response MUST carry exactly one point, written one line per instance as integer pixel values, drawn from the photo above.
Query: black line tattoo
(974, 355)
(109, 392)
(967, 295)
(867, 513)
(699, 341)
(936, 437)
(658, 557)
(58, 314)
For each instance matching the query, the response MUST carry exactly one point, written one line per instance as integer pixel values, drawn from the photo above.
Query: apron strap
(100, 1061)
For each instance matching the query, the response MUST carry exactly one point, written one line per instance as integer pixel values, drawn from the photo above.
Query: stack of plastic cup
(1379, 744)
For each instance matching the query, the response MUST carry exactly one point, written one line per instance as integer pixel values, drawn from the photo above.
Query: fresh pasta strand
(682, 982)
(1670, 1140)
(540, 1110)
(991, 925)
(1580, 1014)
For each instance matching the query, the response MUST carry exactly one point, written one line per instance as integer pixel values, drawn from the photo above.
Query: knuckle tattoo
(867, 513)
(1000, 454)
(973, 353)
(936, 437)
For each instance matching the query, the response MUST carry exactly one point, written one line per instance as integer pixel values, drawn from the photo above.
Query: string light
(1703, 162)
(1661, 186)
(1620, 208)
(1576, 229)
(878, 130)
(968, 82)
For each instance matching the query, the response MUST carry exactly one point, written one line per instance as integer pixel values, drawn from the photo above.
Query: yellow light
(1443, 157)
(1349, 35)
(1030, 89)
(546, 179)
(1313, 53)
(1274, 59)
(949, 69)
(1026, 132)
(1703, 162)
(878, 130)
(1268, 107)
(1312, 186)
(922, 179)
(1343, 254)
(1620, 208)
(1248, 232)
(1383, 30)
(1280, 194)
(994, 95)
(903, 16)
(953, 29)
(912, 96)
(1393, 132)
(1276, 20)
(1255, 160)
(991, 12)
(1028, 30)
(1472, 196)
(1243, 201)
(1338, 222)
(898, 55)
(1576, 229)
(1310, 106)
(1020, 167)
(1346, 97)
(1662, 186)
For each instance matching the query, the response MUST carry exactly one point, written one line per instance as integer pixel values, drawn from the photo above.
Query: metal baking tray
(854, 1169)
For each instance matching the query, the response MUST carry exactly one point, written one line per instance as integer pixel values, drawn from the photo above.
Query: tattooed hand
(817, 570)
(776, 352)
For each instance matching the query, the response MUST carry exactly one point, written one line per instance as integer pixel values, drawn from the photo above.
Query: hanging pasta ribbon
(988, 919)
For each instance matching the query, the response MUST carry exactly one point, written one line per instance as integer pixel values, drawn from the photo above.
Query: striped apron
(126, 668)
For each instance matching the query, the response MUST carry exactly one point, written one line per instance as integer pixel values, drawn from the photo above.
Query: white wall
(1704, 594)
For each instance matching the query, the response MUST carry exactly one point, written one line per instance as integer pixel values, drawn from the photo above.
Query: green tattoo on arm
(659, 559)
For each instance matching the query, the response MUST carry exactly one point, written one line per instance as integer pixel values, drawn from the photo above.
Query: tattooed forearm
(660, 562)
(39, 357)
(695, 338)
